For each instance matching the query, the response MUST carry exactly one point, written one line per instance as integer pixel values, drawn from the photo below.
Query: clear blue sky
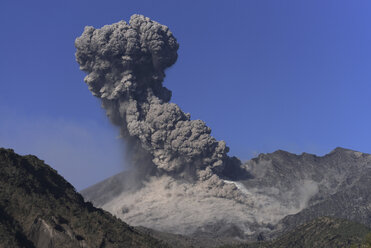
(264, 75)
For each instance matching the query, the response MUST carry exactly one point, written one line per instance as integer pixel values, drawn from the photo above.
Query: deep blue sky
(264, 75)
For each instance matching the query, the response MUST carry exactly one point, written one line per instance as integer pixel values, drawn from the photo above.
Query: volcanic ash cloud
(126, 63)
(190, 180)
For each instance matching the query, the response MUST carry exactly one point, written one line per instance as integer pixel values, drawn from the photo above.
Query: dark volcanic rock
(340, 182)
(323, 232)
(352, 202)
(38, 208)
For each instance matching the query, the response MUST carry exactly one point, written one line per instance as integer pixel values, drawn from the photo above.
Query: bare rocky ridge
(285, 189)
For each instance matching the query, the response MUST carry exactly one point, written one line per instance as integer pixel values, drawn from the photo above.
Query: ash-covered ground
(284, 191)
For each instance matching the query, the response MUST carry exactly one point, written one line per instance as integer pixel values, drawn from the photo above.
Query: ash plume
(126, 63)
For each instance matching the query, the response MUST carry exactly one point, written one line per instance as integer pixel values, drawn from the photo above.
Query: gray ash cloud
(126, 64)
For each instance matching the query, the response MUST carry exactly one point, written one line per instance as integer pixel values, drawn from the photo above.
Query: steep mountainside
(284, 190)
(38, 208)
(323, 232)
(337, 184)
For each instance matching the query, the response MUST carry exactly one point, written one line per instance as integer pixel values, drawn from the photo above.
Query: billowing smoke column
(125, 65)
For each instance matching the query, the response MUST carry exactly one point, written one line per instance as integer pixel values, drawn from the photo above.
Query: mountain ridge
(301, 186)
(117, 178)
(38, 208)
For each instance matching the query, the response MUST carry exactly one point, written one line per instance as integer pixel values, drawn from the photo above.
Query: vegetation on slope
(38, 208)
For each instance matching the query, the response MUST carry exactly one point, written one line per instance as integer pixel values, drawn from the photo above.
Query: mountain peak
(283, 153)
(341, 150)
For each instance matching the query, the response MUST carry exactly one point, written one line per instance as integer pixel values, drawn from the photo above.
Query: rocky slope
(337, 184)
(323, 232)
(38, 208)
(284, 190)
